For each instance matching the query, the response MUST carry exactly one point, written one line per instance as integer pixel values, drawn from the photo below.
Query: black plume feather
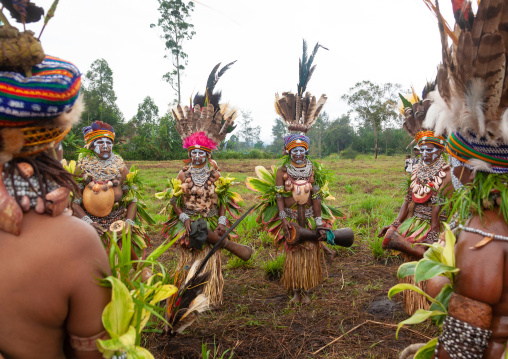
(33, 12)
(306, 68)
(186, 294)
(213, 78)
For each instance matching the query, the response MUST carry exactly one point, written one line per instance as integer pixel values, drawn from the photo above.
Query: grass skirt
(213, 288)
(411, 300)
(302, 267)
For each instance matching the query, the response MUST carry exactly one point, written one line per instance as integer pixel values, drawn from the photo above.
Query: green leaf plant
(138, 286)
(437, 261)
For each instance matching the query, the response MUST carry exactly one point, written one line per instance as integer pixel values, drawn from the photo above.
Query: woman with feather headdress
(199, 196)
(298, 189)
(420, 218)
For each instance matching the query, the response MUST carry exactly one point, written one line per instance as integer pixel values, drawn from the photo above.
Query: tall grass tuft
(273, 268)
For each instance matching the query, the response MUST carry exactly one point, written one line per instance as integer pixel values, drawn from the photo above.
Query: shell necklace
(425, 178)
(300, 173)
(200, 175)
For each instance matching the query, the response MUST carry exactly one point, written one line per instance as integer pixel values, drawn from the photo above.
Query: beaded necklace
(300, 173)
(101, 170)
(200, 175)
(424, 177)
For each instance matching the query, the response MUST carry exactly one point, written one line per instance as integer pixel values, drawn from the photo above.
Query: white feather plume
(479, 165)
(472, 117)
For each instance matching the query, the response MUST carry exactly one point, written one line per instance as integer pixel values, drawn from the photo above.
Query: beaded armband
(395, 224)
(319, 221)
(129, 222)
(283, 215)
(78, 201)
(125, 187)
(409, 197)
(222, 220)
(81, 186)
(432, 236)
(316, 188)
(87, 219)
(183, 217)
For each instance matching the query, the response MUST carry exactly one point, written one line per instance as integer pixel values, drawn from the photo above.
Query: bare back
(49, 279)
(483, 275)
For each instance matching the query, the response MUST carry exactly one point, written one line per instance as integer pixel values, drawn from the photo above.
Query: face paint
(298, 155)
(103, 147)
(198, 157)
(429, 153)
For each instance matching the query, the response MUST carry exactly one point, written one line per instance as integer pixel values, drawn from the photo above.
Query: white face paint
(198, 157)
(430, 153)
(104, 145)
(298, 155)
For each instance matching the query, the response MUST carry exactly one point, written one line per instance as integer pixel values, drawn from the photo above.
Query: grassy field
(257, 320)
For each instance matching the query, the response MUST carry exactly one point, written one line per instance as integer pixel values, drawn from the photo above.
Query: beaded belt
(461, 339)
(293, 214)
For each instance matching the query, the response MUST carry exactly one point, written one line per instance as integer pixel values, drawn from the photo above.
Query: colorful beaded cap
(52, 90)
(97, 130)
(471, 147)
(296, 140)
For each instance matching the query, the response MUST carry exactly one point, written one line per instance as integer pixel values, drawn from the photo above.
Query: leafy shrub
(390, 152)
(348, 154)
(273, 268)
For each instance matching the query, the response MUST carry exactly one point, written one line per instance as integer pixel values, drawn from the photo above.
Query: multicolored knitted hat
(424, 137)
(206, 123)
(295, 140)
(471, 101)
(98, 129)
(40, 108)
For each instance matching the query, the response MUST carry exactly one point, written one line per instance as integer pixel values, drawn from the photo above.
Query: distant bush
(333, 156)
(390, 152)
(348, 154)
(252, 154)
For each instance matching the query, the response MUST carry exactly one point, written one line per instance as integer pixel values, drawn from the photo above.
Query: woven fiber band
(429, 137)
(198, 147)
(463, 150)
(38, 139)
(93, 135)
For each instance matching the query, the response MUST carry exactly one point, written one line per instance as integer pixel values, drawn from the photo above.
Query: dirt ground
(349, 316)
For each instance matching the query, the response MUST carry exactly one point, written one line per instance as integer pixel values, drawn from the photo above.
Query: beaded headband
(295, 140)
(423, 137)
(93, 135)
(470, 149)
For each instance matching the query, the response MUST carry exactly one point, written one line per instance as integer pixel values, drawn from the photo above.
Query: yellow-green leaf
(164, 292)
(426, 269)
(117, 315)
(404, 286)
(448, 252)
(406, 269)
(124, 343)
(420, 316)
(427, 351)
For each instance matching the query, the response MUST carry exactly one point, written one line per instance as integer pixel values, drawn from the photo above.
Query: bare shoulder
(181, 175)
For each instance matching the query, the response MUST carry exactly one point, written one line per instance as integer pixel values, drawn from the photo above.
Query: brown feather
(464, 58)
(487, 20)
(319, 107)
(291, 103)
(503, 30)
(443, 84)
(491, 66)
(311, 110)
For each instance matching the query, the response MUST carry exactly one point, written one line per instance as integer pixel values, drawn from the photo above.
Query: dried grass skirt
(302, 268)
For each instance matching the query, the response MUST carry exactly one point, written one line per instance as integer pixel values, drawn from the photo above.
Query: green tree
(373, 105)
(100, 97)
(338, 136)
(317, 133)
(279, 131)
(147, 118)
(248, 132)
(174, 22)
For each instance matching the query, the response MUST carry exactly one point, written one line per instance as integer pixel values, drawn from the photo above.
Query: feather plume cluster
(215, 124)
(300, 112)
(472, 81)
(206, 114)
(189, 300)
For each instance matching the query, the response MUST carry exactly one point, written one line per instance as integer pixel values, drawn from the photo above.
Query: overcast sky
(381, 41)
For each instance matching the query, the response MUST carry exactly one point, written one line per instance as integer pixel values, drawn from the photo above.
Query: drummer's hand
(285, 227)
(220, 230)
(187, 226)
(322, 234)
(98, 228)
(383, 231)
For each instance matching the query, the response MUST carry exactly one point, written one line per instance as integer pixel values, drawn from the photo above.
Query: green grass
(273, 267)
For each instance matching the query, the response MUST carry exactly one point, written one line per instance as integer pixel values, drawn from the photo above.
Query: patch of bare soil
(257, 319)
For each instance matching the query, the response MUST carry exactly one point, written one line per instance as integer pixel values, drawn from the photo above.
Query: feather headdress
(472, 82)
(415, 110)
(300, 112)
(206, 122)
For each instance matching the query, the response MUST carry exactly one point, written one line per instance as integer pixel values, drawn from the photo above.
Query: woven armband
(88, 344)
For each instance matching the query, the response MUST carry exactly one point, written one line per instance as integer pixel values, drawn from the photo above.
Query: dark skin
(435, 223)
(43, 299)
(105, 153)
(287, 202)
(483, 275)
(198, 162)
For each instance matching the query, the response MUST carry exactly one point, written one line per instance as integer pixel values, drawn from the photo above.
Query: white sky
(381, 41)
